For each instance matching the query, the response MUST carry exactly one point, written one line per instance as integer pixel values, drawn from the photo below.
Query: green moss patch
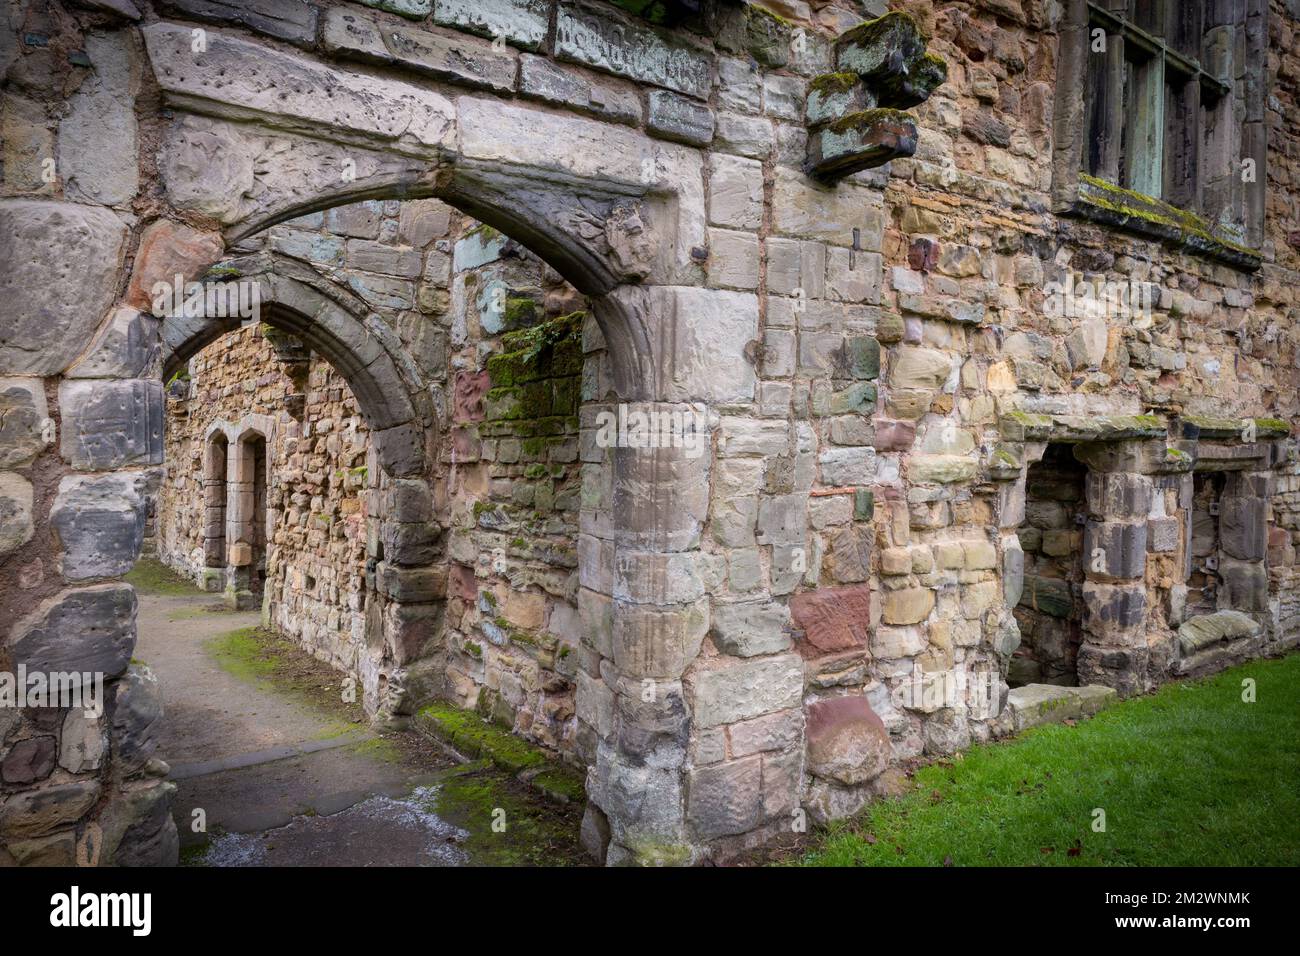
(473, 736)
(1127, 208)
(507, 825)
(261, 656)
(151, 576)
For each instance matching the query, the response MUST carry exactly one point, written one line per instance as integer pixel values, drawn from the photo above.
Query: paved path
(281, 781)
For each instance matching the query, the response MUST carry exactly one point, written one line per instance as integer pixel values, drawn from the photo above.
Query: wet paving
(267, 778)
(378, 831)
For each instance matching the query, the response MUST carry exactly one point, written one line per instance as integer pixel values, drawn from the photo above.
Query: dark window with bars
(1160, 86)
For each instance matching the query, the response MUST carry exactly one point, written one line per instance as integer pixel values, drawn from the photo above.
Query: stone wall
(761, 626)
(314, 566)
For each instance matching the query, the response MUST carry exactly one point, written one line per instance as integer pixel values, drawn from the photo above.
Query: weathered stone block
(25, 425)
(735, 191)
(725, 798)
(83, 744)
(860, 141)
(127, 347)
(110, 424)
(98, 151)
(301, 93)
(100, 522)
(292, 20)
(659, 644)
(889, 53)
(832, 619)
(36, 812)
(1243, 527)
(751, 629)
(1114, 614)
(1116, 549)
(744, 689)
(550, 82)
(594, 38)
(847, 741)
(16, 498)
(411, 584)
(522, 23)
(1118, 494)
(29, 760)
(137, 711)
(1245, 586)
(782, 519)
(58, 276)
(1206, 630)
(84, 630)
(847, 466)
(138, 827)
(1052, 596)
(907, 606)
(781, 731)
(679, 119)
(915, 367)
(941, 469)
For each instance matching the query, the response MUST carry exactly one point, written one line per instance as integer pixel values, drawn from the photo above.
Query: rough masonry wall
(316, 460)
(970, 248)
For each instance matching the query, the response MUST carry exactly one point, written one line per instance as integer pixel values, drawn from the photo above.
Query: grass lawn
(1189, 776)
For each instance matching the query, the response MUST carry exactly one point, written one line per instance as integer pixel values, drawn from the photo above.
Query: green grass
(1191, 775)
(151, 576)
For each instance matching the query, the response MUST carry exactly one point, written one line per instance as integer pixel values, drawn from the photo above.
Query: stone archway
(621, 216)
(330, 320)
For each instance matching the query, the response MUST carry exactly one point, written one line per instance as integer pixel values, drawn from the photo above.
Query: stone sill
(1105, 203)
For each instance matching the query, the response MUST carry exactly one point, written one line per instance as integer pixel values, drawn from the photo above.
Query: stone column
(240, 533)
(215, 470)
(645, 617)
(1114, 650)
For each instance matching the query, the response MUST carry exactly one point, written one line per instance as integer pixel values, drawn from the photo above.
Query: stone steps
(1035, 704)
(1210, 642)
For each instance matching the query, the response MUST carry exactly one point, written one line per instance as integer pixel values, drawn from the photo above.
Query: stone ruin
(333, 303)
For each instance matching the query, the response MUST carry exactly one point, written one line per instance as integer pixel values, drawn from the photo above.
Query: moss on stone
(937, 62)
(150, 576)
(560, 784)
(755, 10)
(470, 734)
(828, 84)
(647, 853)
(879, 26)
(1170, 222)
(864, 119)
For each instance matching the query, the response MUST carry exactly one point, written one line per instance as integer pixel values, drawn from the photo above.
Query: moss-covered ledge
(472, 736)
(1025, 426)
(1112, 205)
(1245, 430)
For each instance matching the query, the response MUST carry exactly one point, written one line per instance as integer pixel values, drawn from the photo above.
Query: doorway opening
(1050, 612)
(1203, 582)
